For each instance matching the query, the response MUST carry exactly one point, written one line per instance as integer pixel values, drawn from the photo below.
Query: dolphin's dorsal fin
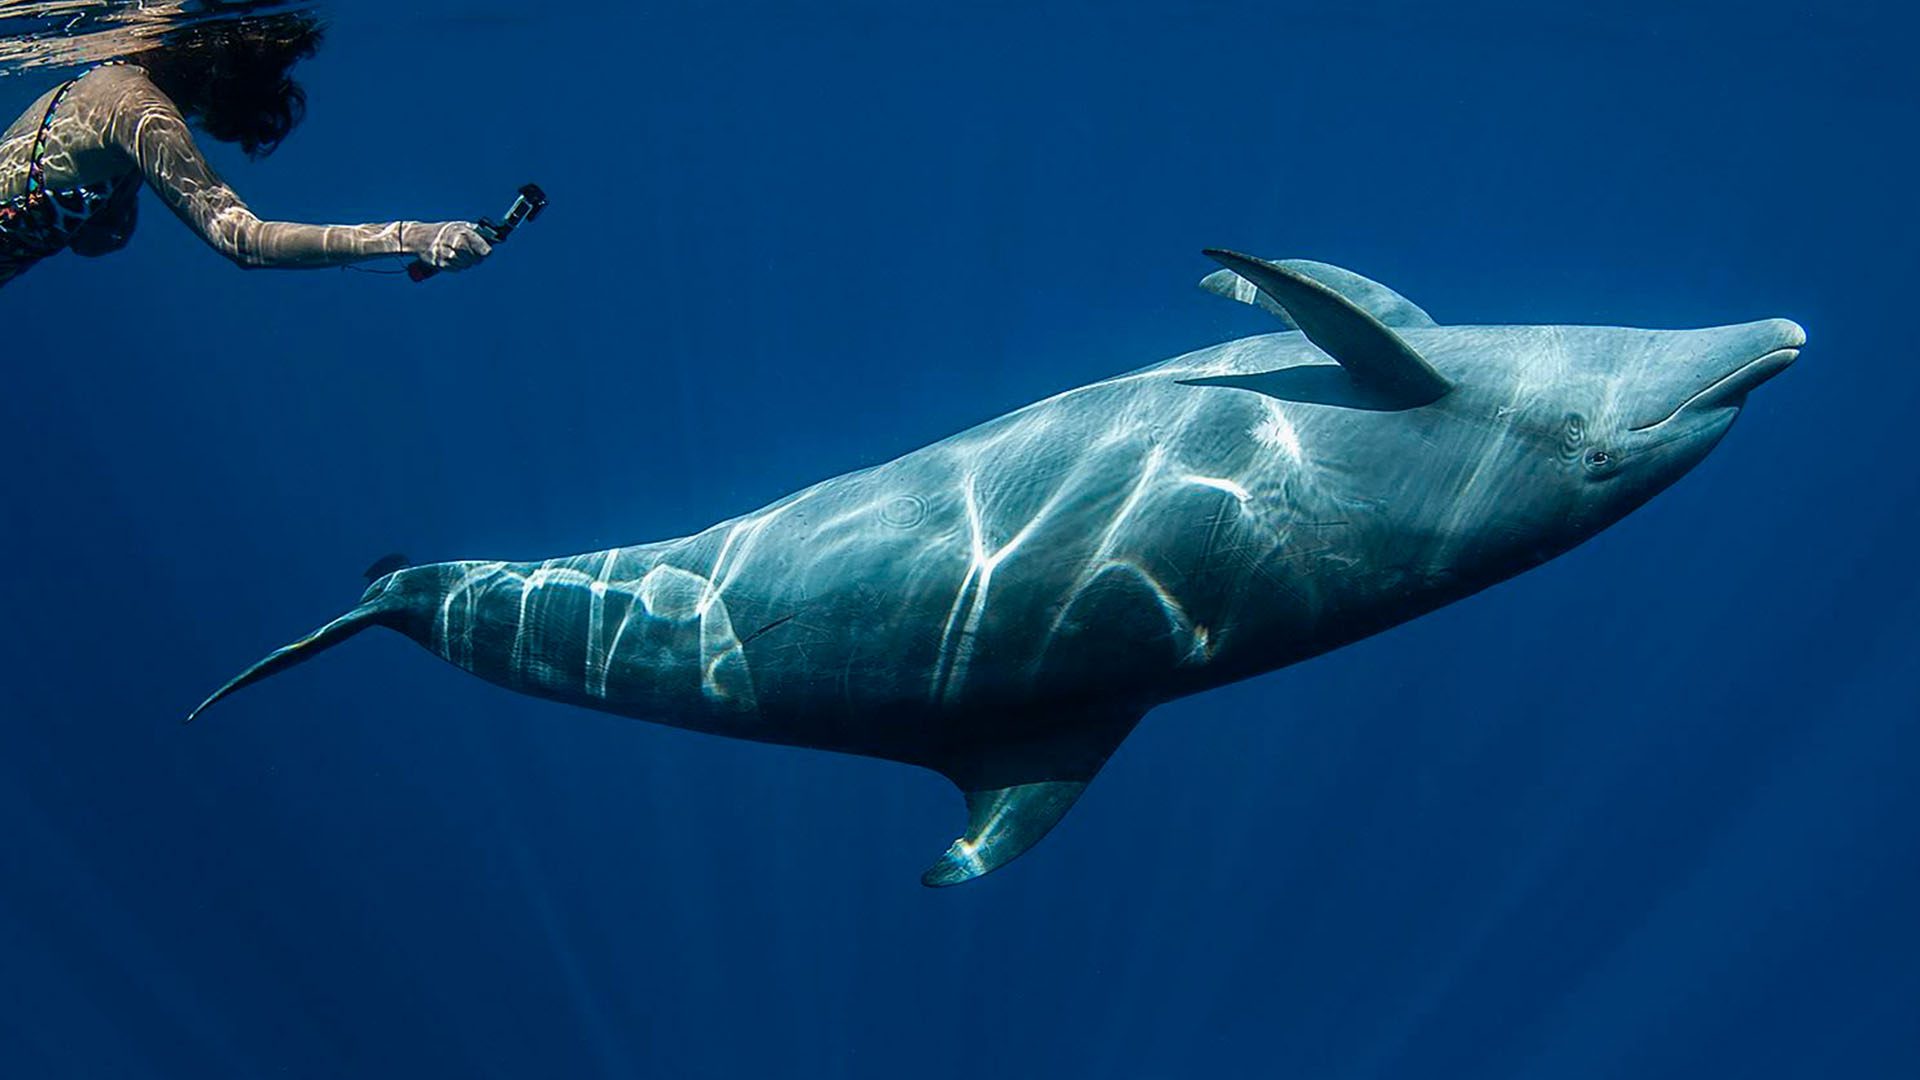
(1370, 296)
(1016, 794)
(1374, 356)
(386, 564)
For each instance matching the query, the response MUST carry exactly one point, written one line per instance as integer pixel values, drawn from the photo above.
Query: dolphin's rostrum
(1003, 606)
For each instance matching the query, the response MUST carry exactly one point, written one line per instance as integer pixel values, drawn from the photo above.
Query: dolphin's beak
(1778, 345)
(1745, 357)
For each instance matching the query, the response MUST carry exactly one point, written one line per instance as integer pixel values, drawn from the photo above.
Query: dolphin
(1003, 606)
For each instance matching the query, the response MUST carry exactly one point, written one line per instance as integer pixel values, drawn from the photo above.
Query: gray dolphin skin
(1003, 606)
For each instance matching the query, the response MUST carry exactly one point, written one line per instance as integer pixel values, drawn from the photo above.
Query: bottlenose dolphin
(1003, 606)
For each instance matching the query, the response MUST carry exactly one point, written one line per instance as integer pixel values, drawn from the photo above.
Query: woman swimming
(72, 165)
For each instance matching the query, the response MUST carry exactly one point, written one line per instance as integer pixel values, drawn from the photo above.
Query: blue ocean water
(1647, 811)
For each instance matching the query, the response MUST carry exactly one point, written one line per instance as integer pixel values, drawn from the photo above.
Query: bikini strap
(36, 167)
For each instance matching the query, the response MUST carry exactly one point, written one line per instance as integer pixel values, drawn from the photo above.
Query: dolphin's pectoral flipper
(1002, 823)
(1373, 355)
(1017, 793)
(1370, 296)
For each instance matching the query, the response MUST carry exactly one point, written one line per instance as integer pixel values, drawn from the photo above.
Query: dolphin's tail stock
(380, 606)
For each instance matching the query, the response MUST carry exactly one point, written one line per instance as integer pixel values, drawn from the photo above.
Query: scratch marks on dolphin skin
(775, 624)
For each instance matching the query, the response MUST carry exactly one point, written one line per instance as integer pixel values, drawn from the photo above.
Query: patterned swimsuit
(40, 222)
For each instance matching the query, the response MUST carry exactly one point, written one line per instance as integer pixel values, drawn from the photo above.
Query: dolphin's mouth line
(1733, 384)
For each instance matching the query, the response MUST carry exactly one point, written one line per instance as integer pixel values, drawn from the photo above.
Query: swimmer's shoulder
(110, 84)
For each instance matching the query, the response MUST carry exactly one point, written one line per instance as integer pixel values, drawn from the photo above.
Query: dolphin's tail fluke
(372, 612)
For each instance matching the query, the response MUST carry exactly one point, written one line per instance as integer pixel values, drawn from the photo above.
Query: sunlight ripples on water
(37, 35)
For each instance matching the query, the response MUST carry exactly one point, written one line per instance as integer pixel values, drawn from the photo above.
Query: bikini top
(42, 221)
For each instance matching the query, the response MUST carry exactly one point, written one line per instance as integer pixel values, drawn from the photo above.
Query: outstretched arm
(147, 127)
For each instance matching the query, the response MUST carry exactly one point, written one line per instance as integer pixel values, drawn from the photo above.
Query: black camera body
(527, 204)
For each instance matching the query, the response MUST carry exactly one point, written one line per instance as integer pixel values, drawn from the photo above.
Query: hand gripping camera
(527, 205)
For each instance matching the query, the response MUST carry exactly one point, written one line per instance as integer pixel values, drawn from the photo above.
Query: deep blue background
(1647, 811)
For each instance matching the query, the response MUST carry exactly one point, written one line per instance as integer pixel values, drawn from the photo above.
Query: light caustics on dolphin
(1003, 606)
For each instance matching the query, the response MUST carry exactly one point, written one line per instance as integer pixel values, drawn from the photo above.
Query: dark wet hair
(231, 77)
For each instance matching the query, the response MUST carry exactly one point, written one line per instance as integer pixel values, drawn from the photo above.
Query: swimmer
(72, 165)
